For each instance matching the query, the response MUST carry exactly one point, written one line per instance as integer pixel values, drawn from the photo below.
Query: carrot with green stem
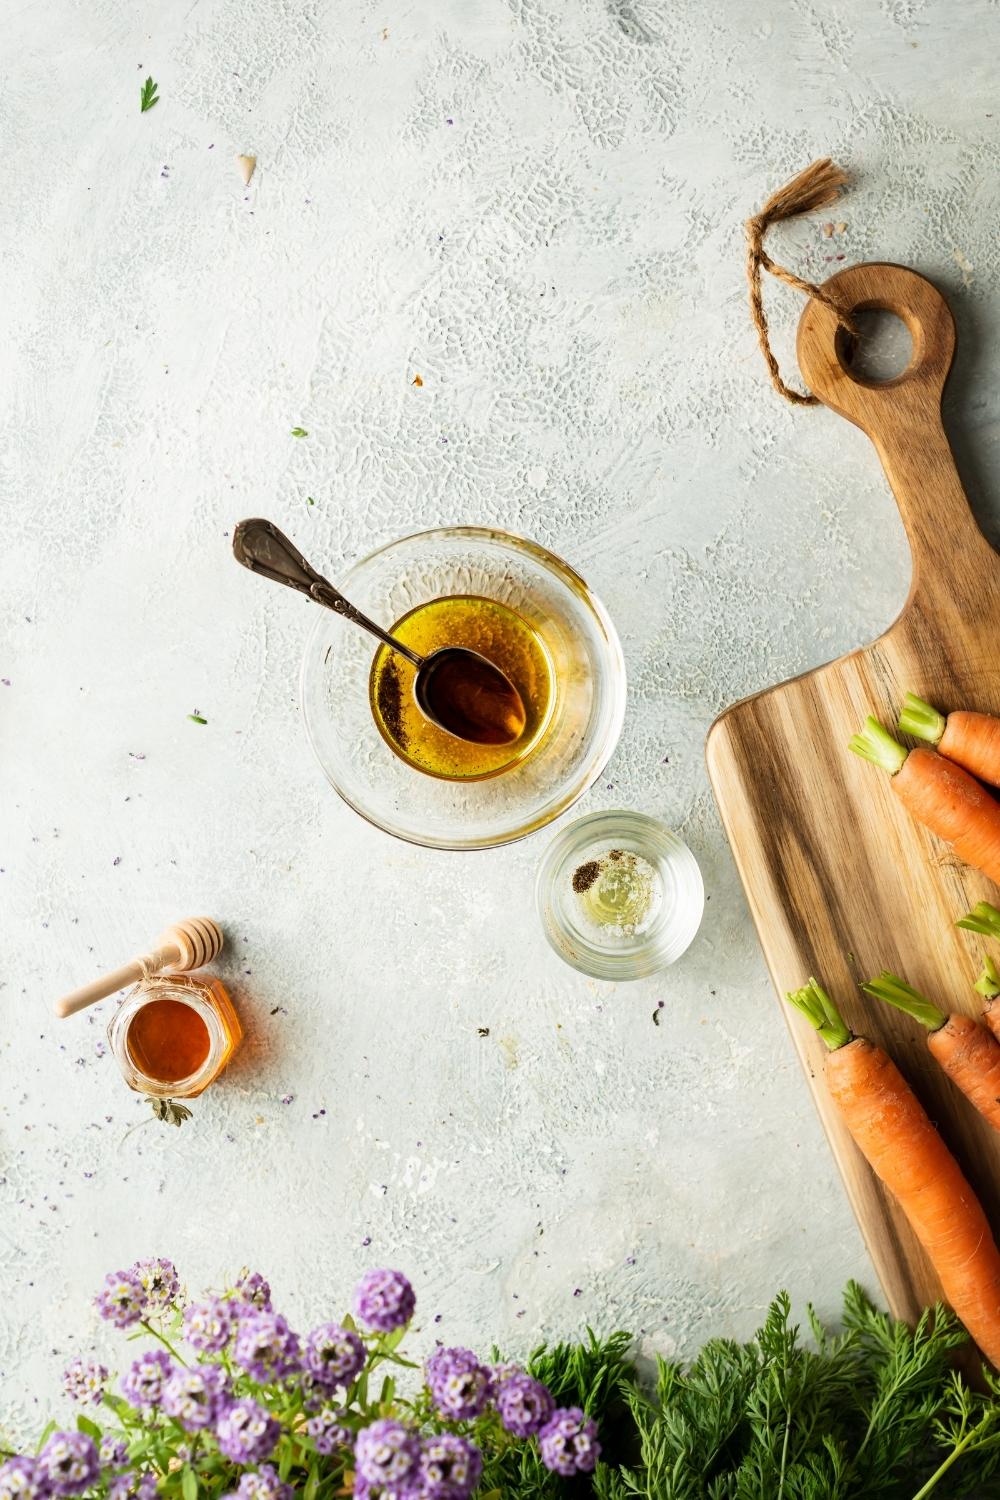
(892, 1130)
(985, 918)
(939, 794)
(971, 740)
(961, 1047)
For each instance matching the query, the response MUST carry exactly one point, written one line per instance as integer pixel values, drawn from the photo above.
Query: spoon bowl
(457, 689)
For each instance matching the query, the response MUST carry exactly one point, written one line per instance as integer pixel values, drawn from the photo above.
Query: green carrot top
(877, 745)
(820, 1011)
(904, 997)
(982, 918)
(988, 983)
(921, 720)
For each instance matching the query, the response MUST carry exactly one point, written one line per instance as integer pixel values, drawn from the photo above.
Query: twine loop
(814, 188)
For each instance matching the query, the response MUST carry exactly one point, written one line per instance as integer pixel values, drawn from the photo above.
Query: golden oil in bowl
(501, 635)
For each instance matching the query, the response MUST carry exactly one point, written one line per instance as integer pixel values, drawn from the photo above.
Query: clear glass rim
(642, 959)
(616, 688)
(194, 995)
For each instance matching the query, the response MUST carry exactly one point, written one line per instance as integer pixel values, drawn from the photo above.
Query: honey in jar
(497, 632)
(173, 1034)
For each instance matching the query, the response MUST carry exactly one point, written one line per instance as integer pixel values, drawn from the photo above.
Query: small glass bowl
(586, 718)
(609, 953)
(205, 995)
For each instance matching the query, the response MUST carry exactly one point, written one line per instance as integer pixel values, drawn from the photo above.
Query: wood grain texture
(841, 882)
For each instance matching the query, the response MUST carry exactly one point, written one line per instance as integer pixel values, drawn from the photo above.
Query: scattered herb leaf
(196, 718)
(148, 95)
(310, 500)
(299, 432)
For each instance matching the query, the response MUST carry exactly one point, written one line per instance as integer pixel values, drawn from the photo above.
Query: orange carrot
(971, 740)
(966, 1051)
(891, 1128)
(939, 794)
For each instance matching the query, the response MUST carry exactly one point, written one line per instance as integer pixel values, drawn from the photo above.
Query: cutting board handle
(902, 416)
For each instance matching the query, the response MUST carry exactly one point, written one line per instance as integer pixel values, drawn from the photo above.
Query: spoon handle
(262, 548)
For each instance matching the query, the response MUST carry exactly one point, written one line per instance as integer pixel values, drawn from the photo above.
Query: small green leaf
(310, 500)
(197, 719)
(299, 432)
(189, 1483)
(84, 1424)
(312, 1484)
(148, 95)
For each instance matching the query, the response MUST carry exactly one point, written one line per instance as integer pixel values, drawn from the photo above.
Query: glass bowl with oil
(515, 603)
(619, 895)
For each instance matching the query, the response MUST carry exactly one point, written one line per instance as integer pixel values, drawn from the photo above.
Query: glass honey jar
(173, 1034)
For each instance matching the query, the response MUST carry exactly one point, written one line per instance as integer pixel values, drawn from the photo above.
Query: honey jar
(173, 1034)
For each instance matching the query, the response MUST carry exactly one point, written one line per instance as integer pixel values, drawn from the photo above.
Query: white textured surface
(535, 206)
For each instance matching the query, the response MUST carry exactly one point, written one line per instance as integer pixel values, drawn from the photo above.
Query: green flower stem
(821, 1013)
(956, 1453)
(895, 991)
(921, 720)
(983, 918)
(877, 745)
(144, 1323)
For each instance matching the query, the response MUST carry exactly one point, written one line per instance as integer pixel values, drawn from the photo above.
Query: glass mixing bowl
(583, 729)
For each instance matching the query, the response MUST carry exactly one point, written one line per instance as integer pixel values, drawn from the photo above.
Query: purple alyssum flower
(384, 1300)
(21, 1478)
(333, 1355)
(122, 1299)
(133, 1486)
(69, 1462)
(386, 1453)
(364, 1491)
(460, 1385)
(450, 1467)
(246, 1432)
(524, 1404)
(568, 1442)
(327, 1430)
(85, 1380)
(195, 1397)
(263, 1485)
(208, 1326)
(252, 1290)
(266, 1347)
(113, 1452)
(159, 1280)
(143, 1384)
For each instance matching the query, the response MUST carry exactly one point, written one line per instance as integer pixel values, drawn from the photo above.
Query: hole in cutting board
(883, 348)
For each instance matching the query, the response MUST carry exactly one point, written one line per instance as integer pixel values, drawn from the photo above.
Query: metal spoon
(457, 689)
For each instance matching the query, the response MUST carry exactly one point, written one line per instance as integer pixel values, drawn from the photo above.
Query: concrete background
(537, 208)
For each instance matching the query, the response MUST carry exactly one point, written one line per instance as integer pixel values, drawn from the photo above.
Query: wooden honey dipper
(186, 945)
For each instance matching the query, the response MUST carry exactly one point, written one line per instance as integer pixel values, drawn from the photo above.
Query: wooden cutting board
(841, 882)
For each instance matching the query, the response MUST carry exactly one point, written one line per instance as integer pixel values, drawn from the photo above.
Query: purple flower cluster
(22, 1479)
(159, 1281)
(265, 1346)
(384, 1300)
(68, 1463)
(143, 1385)
(122, 1299)
(387, 1454)
(113, 1453)
(450, 1467)
(195, 1397)
(333, 1355)
(264, 1485)
(568, 1442)
(133, 1486)
(524, 1405)
(247, 1432)
(328, 1431)
(208, 1326)
(252, 1291)
(460, 1385)
(85, 1380)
